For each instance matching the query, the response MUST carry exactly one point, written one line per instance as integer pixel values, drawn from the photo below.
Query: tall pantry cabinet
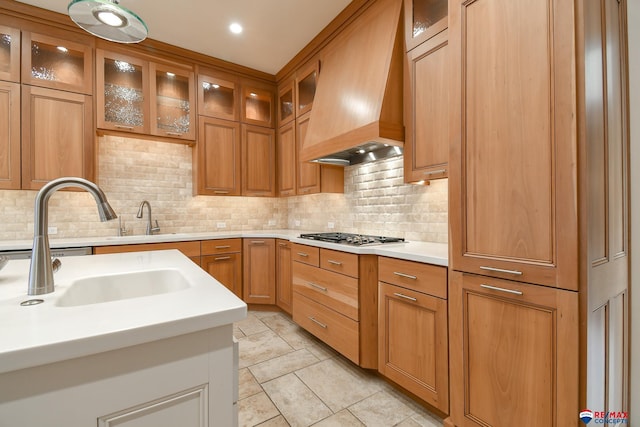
(538, 210)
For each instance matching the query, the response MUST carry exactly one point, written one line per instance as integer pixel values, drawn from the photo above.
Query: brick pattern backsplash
(132, 170)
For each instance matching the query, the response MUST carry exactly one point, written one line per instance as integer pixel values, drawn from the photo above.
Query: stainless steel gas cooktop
(351, 239)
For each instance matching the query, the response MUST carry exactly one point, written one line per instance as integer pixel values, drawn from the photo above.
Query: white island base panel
(187, 381)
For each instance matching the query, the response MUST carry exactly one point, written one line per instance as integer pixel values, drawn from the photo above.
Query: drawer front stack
(325, 295)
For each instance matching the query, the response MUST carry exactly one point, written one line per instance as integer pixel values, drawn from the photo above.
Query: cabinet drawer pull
(408, 276)
(435, 172)
(173, 133)
(221, 191)
(257, 242)
(494, 288)
(330, 261)
(500, 270)
(406, 297)
(221, 258)
(315, 285)
(282, 245)
(317, 322)
(303, 254)
(124, 127)
(223, 247)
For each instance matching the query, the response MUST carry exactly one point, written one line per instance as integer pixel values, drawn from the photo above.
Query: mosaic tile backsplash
(376, 201)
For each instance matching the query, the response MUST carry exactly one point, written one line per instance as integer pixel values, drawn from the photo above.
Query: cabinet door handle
(317, 322)
(124, 127)
(500, 270)
(495, 288)
(221, 258)
(173, 133)
(406, 297)
(282, 245)
(408, 276)
(257, 242)
(223, 247)
(303, 254)
(330, 261)
(315, 285)
(221, 191)
(435, 172)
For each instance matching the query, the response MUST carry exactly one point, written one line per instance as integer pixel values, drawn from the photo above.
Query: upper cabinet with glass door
(218, 96)
(121, 89)
(306, 81)
(57, 63)
(9, 54)
(172, 101)
(257, 104)
(286, 109)
(423, 20)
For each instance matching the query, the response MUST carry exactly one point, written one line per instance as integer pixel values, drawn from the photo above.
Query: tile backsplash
(132, 170)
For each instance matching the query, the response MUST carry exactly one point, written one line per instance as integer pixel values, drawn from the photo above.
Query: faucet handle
(156, 228)
(56, 264)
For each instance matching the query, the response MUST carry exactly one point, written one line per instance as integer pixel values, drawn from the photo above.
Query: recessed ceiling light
(235, 28)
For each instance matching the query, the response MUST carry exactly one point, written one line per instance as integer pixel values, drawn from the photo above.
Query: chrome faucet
(41, 269)
(150, 229)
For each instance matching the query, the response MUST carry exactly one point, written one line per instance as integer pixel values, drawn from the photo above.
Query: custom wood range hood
(357, 110)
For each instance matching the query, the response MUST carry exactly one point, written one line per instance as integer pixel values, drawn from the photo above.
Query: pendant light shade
(108, 20)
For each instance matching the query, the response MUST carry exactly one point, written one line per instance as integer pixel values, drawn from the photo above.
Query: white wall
(633, 13)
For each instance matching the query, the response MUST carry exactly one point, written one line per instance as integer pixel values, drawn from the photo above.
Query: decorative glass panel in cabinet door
(426, 13)
(306, 91)
(218, 99)
(258, 106)
(123, 93)
(57, 63)
(172, 101)
(286, 105)
(9, 54)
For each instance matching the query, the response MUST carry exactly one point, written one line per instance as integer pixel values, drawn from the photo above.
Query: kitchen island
(164, 356)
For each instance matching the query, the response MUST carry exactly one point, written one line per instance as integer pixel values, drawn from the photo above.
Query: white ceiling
(274, 30)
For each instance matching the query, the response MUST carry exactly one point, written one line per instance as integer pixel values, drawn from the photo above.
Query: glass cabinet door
(122, 89)
(172, 102)
(285, 104)
(257, 106)
(56, 63)
(423, 20)
(9, 54)
(217, 98)
(306, 84)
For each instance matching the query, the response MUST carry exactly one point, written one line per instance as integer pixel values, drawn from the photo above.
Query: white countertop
(426, 252)
(45, 333)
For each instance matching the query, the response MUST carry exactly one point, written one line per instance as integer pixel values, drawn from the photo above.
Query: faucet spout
(150, 228)
(41, 271)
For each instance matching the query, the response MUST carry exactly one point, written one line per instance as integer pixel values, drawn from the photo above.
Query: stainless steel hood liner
(365, 153)
(358, 101)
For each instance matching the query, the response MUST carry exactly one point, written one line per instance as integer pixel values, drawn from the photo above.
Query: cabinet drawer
(333, 328)
(340, 262)
(221, 246)
(430, 279)
(306, 254)
(334, 290)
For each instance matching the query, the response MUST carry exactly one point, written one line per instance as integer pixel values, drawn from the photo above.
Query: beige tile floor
(289, 378)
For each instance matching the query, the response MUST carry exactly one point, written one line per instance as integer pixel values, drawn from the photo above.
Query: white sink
(99, 289)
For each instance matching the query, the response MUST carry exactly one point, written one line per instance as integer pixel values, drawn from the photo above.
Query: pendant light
(108, 20)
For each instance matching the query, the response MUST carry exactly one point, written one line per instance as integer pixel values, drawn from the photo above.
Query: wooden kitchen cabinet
(172, 101)
(512, 205)
(513, 353)
(57, 136)
(217, 162)
(284, 279)
(218, 96)
(9, 135)
(286, 154)
(286, 104)
(257, 105)
(258, 161)
(423, 19)
(259, 271)
(306, 80)
(222, 259)
(413, 328)
(9, 54)
(426, 149)
(57, 63)
(335, 299)
(122, 91)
